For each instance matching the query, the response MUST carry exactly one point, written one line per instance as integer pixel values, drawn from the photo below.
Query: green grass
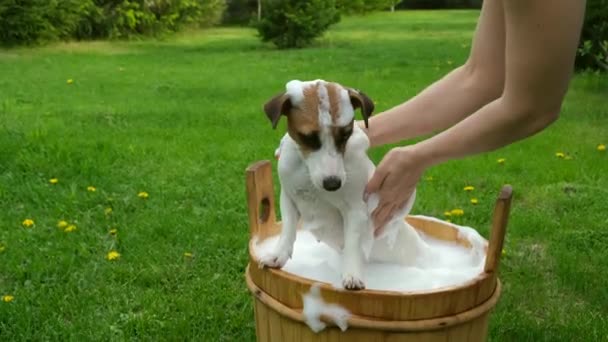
(181, 120)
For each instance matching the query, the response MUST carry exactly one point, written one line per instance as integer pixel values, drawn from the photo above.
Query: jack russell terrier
(323, 170)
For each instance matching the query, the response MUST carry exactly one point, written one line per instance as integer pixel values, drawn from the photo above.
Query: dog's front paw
(274, 259)
(351, 282)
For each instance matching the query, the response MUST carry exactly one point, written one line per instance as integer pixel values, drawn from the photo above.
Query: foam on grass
(453, 264)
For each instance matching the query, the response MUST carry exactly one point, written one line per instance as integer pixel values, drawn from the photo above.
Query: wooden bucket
(458, 313)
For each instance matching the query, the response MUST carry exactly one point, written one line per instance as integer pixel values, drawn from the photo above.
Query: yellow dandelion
(447, 213)
(107, 211)
(91, 188)
(70, 81)
(143, 195)
(560, 154)
(28, 223)
(7, 298)
(62, 224)
(53, 180)
(500, 160)
(474, 201)
(113, 231)
(457, 212)
(601, 147)
(188, 255)
(469, 188)
(113, 255)
(70, 228)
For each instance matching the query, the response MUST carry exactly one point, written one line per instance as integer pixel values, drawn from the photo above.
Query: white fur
(324, 115)
(339, 218)
(295, 90)
(347, 113)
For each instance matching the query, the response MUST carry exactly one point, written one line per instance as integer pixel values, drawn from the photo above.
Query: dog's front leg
(284, 248)
(355, 225)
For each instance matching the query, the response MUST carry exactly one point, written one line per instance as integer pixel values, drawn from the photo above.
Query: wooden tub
(458, 313)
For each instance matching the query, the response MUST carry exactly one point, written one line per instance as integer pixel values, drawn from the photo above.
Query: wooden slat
(260, 199)
(388, 305)
(499, 228)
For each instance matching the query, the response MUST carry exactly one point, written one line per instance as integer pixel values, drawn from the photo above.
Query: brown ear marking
(279, 104)
(359, 100)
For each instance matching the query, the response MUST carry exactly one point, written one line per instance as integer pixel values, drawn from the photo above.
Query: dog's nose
(332, 183)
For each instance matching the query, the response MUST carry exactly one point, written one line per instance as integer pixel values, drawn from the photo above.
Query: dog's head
(320, 118)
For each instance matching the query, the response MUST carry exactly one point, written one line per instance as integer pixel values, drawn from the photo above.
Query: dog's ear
(359, 100)
(279, 104)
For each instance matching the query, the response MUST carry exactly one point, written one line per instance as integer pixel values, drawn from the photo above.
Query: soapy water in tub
(455, 264)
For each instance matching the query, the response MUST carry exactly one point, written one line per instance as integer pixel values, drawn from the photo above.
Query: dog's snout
(332, 183)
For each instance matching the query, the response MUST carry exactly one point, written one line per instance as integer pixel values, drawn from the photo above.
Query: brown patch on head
(303, 121)
(341, 135)
(333, 92)
(303, 118)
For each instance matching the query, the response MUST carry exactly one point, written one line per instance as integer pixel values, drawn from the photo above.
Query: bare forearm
(534, 88)
(495, 125)
(438, 107)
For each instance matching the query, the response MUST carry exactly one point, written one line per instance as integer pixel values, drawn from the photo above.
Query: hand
(394, 181)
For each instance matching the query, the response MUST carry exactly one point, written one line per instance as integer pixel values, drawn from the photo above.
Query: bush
(211, 12)
(364, 6)
(296, 23)
(593, 48)
(34, 21)
(128, 18)
(439, 4)
(240, 12)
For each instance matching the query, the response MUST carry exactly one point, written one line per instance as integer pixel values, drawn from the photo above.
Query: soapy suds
(454, 266)
(315, 307)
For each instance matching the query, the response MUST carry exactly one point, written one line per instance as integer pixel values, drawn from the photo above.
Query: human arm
(540, 47)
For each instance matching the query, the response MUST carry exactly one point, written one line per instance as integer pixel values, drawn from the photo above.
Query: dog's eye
(311, 140)
(342, 137)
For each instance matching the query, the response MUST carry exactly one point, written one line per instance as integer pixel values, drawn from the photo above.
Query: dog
(323, 170)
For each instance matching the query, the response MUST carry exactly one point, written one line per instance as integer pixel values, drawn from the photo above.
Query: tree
(296, 23)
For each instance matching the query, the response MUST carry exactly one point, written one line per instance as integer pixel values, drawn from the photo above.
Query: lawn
(181, 119)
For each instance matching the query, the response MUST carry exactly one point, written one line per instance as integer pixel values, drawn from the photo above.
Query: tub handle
(500, 220)
(260, 198)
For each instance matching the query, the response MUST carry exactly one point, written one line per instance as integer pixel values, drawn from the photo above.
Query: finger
(380, 215)
(382, 225)
(378, 232)
(375, 183)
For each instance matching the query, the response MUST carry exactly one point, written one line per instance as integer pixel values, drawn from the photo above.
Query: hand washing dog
(323, 170)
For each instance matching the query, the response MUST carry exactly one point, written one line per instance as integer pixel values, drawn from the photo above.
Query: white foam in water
(454, 265)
